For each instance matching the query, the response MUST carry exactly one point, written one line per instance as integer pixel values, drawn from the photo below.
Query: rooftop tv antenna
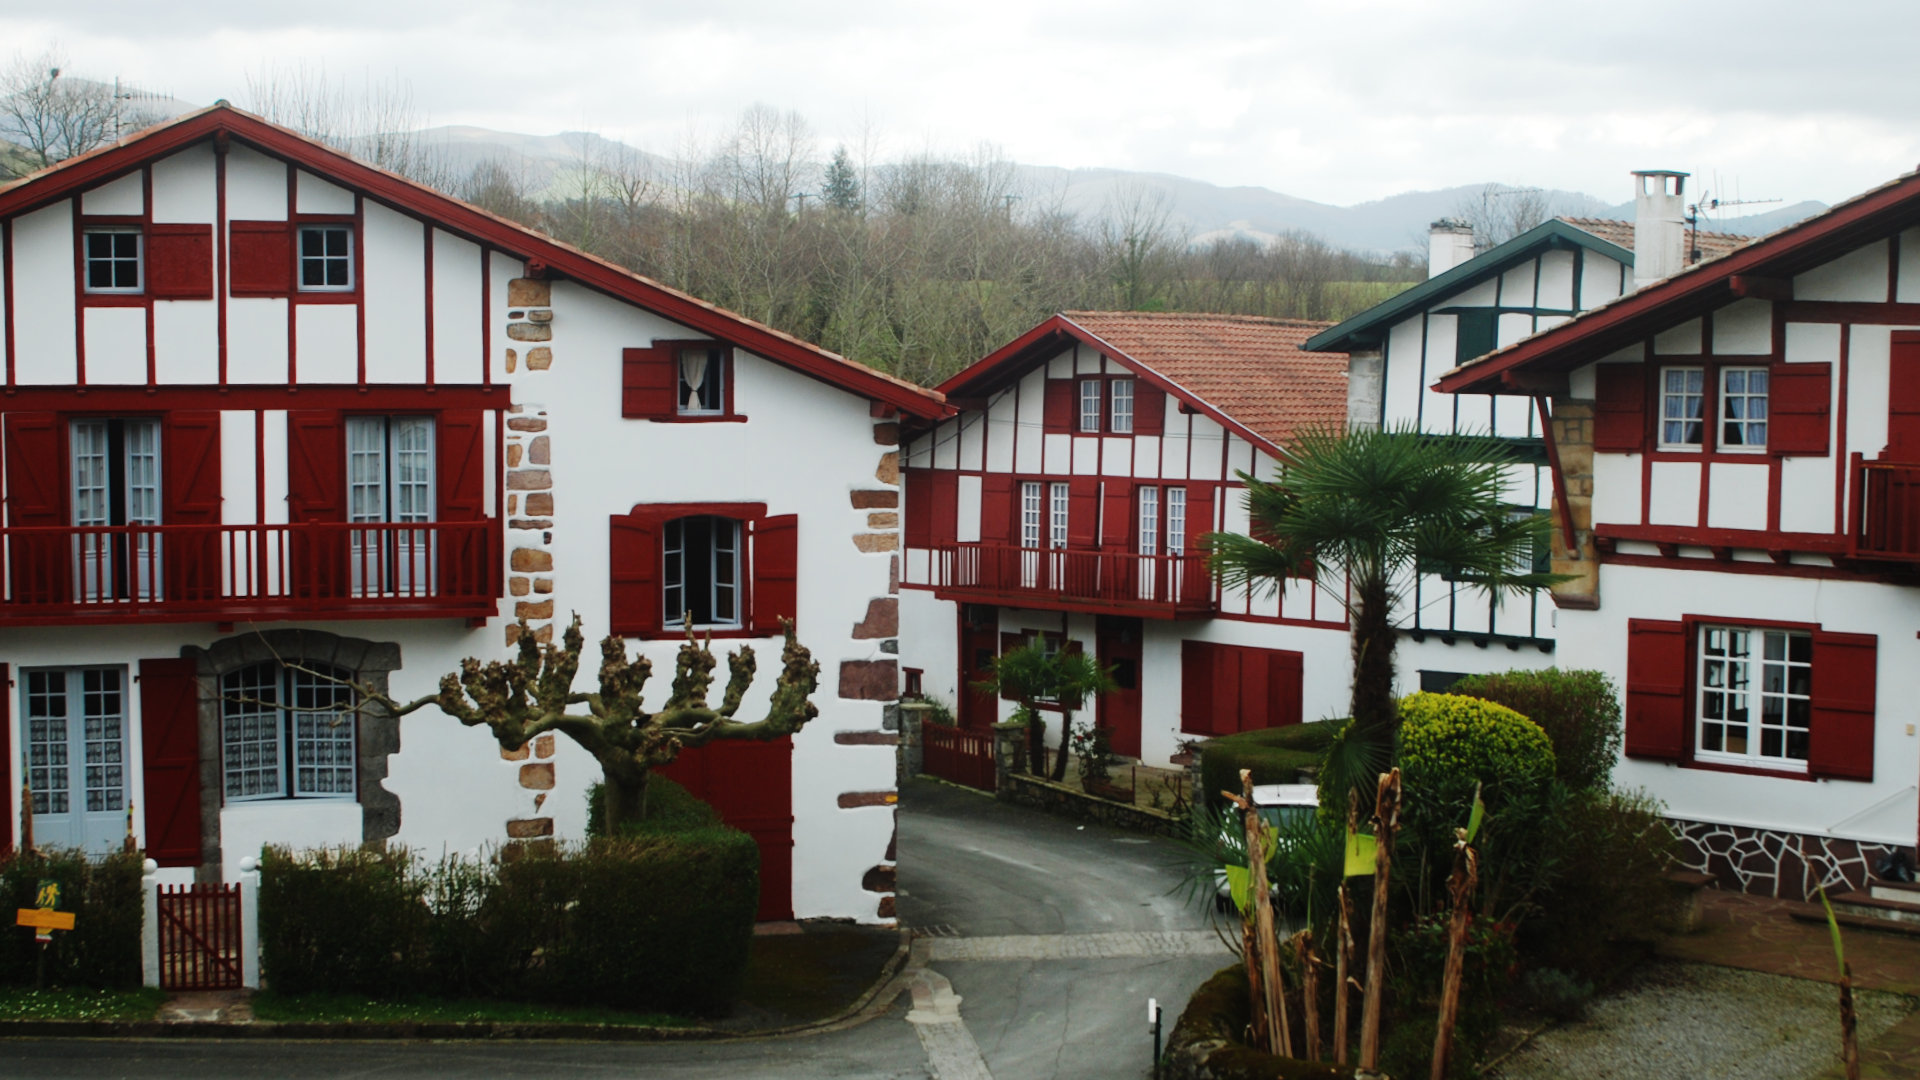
(1706, 207)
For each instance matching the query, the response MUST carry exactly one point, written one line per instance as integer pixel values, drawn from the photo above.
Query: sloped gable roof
(1711, 245)
(221, 122)
(1248, 373)
(1763, 267)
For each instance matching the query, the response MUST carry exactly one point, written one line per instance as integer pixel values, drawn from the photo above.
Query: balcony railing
(1158, 586)
(1886, 511)
(225, 573)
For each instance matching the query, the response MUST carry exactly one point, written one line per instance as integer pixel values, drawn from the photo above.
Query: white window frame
(1091, 393)
(1176, 515)
(712, 375)
(1731, 680)
(114, 260)
(1120, 406)
(1030, 513)
(74, 753)
(1148, 533)
(391, 479)
(110, 566)
(1059, 500)
(326, 259)
(275, 711)
(723, 572)
(1670, 397)
(1748, 399)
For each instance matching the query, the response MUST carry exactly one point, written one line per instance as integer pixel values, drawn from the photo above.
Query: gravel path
(1696, 1020)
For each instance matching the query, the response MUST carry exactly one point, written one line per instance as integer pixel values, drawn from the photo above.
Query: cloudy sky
(1339, 101)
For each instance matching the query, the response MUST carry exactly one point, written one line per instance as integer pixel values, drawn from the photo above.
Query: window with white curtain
(702, 382)
(390, 485)
(1057, 516)
(1120, 406)
(287, 731)
(115, 470)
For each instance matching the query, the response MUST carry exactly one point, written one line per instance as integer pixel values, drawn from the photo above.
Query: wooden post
(1343, 950)
(1259, 939)
(1849, 1045)
(1309, 989)
(1386, 820)
(1466, 871)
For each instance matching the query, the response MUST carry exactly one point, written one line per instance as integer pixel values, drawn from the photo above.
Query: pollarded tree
(533, 694)
(1362, 512)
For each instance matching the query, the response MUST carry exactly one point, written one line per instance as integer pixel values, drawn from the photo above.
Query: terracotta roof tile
(1712, 245)
(1251, 369)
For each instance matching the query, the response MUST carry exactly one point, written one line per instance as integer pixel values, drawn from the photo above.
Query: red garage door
(751, 784)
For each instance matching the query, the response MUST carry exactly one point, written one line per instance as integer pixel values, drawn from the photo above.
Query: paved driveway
(1045, 941)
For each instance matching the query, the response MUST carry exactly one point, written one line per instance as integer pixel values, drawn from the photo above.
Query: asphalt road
(968, 867)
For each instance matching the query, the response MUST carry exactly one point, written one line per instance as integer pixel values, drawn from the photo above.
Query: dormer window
(703, 373)
(112, 260)
(326, 258)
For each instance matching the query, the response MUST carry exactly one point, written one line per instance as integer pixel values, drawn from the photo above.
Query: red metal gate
(200, 937)
(959, 755)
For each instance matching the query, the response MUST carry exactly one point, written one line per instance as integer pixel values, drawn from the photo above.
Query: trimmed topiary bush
(1275, 755)
(1579, 711)
(1447, 740)
(103, 948)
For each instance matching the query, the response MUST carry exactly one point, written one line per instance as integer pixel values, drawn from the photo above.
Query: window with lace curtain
(703, 373)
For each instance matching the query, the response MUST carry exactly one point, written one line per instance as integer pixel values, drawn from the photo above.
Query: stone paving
(1755, 933)
(1079, 946)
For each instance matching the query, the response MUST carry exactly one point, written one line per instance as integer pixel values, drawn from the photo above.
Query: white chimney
(1659, 225)
(1449, 243)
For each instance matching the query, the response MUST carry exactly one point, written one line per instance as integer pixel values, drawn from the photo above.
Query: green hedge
(1275, 755)
(1579, 711)
(103, 948)
(660, 922)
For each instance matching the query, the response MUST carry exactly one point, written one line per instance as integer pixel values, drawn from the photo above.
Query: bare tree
(1499, 213)
(1139, 243)
(377, 122)
(52, 115)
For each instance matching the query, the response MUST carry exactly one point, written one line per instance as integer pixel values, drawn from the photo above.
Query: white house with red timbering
(263, 402)
(1064, 501)
(1735, 454)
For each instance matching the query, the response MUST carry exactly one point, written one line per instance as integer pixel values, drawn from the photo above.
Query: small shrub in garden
(670, 808)
(1552, 992)
(347, 921)
(1449, 744)
(1579, 711)
(1608, 886)
(1275, 755)
(103, 948)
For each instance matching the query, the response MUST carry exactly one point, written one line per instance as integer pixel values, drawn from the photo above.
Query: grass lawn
(357, 1008)
(18, 1004)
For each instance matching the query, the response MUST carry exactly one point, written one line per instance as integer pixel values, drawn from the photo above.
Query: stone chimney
(1449, 243)
(1659, 225)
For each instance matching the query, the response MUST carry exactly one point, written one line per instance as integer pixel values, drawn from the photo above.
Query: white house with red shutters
(1736, 452)
(1064, 501)
(264, 403)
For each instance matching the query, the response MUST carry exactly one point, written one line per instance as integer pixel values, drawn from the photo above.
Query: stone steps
(1883, 905)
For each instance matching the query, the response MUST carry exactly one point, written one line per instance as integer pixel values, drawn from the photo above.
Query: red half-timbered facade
(275, 421)
(1734, 459)
(1065, 501)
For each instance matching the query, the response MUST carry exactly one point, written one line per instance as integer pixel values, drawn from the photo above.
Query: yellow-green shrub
(1446, 739)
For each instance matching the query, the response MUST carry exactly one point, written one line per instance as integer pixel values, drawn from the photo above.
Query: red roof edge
(987, 369)
(1594, 331)
(489, 230)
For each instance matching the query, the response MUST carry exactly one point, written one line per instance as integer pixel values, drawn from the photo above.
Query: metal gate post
(149, 924)
(250, 923)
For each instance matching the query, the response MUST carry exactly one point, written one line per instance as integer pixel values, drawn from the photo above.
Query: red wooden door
(1117, 647)
(979, 644)
(751, 784)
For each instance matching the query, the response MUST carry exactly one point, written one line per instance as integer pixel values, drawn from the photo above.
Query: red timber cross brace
(1660, 694)
(170, 738)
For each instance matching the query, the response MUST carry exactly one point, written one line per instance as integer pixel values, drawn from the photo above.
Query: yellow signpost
(44, 920)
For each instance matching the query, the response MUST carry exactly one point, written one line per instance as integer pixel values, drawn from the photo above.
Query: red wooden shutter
(316, 466)
(1256, 688)
(1083, 512)
(946, 507)
(996, 508)
(1116, 526)
(1657, 658)
(1620, 408)
(1797, 401)
(468, 566)
(192, 487)
(36, 497)
(1149, 408)
(7, 769)
(259, 258)
(170, 734)
(648, 382)
(1008, 643)
(1229, 709)
(1284, 684)
(633, 563)
(1196, 688)
(1903, 398)
(776, 572)
(180, 262)
(1845, 671)
(1199, 513)
(1056, 413)
(917, 522)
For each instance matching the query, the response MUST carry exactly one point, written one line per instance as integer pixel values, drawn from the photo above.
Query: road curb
(869, 1004)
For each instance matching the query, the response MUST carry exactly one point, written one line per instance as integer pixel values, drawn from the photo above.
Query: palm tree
(1362, 512)
(1031, 674)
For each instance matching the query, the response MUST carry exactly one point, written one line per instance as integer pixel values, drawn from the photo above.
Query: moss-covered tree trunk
(1373, 645)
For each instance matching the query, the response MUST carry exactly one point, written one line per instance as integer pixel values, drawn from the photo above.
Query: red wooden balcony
(1064, 579)
(232, 573)
(1886, 511)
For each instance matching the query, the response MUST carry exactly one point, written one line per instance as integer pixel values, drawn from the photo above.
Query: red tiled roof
(1252, 369)
(1711, 245)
